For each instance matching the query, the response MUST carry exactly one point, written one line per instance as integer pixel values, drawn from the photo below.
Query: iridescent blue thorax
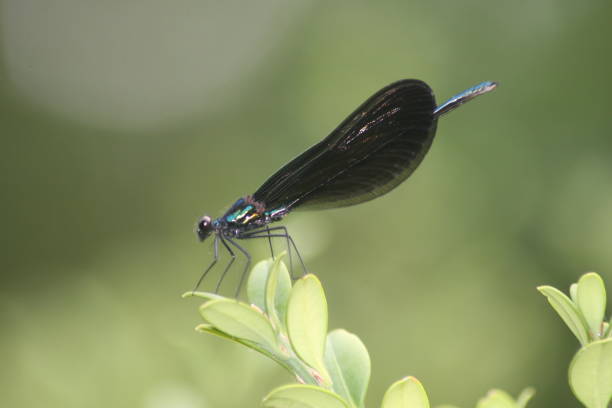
(246, 214)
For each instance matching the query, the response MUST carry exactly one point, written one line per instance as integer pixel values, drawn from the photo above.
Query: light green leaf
(210, 329)
(239, 320)
(278, 289)
(591, 300)
(293, 365)
(203, 295)
(525, 396)
(568, 312)
(256, 285)
(303, 396)
(307, 322)
(590, 374)
(573, 290)
(496, 399)
(446, 406)
(406, 393)
(207, 328)
(348, 364)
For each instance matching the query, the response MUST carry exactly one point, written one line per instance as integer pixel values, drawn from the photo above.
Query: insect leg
(233, 255)
(284, 235)
(258, 233)
(289, 242)
(246, 268)
(270, 241)
(215, 259)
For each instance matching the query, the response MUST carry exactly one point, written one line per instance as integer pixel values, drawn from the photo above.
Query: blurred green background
(123, 122)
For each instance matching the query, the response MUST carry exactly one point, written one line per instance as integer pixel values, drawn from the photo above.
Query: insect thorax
(244, 215)
(247, 214)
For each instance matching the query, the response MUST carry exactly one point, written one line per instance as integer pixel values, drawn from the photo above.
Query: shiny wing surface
(372, 151)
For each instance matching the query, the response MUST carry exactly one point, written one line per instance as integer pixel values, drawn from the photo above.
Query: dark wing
(372, 151)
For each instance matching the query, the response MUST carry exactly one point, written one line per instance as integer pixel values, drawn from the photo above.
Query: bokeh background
(123, 122)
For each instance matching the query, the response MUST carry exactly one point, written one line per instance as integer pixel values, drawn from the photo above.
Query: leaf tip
(410, 378)
(543, 288)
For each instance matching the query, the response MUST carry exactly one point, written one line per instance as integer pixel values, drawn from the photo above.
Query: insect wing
(372, 151)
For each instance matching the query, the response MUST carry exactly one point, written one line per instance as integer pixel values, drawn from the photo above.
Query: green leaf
(293, 365)
(496, 399)
(207, 328)
(256, 285)
(348, 364)
(239, 320)
(525, 396)
(568, 312)
(406, 393)
(591, 300)
(303, 396)
(501, 399)
(210, 329)
(573, 292)
(203, 295)
(278, 289)
(590, 374)
(307, 322)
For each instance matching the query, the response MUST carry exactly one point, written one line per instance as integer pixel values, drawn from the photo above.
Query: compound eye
(205, 227)
(205, 223)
